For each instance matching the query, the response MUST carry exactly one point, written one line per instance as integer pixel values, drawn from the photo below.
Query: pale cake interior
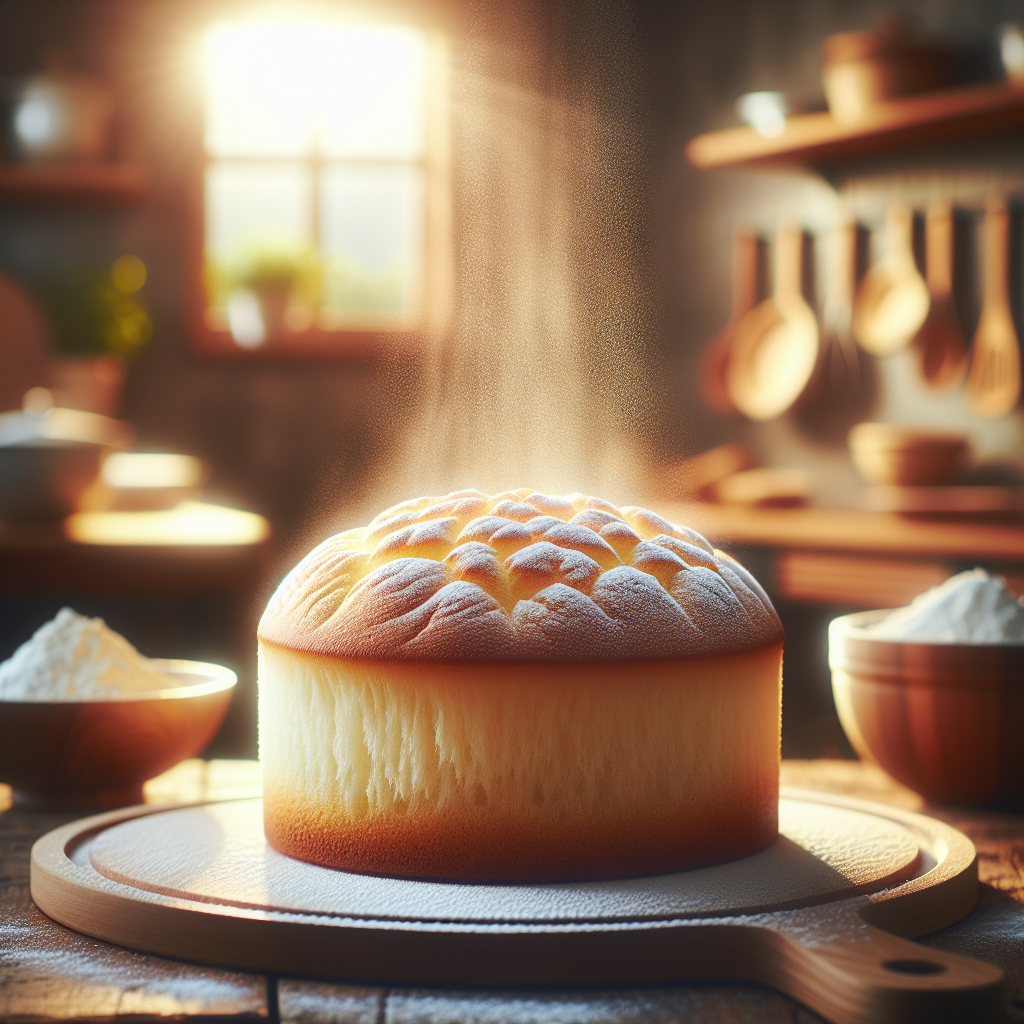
(519, 771)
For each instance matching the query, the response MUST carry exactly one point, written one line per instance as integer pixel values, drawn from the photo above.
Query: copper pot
(947, 720)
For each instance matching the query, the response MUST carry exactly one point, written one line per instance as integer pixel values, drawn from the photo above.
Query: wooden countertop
(828, 529)
(195, 547)
(48, 973)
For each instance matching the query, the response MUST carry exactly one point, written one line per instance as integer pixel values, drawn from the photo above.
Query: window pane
(256, 215)
(259, 93)
(372, 93)
(371, 241)
(275, 88)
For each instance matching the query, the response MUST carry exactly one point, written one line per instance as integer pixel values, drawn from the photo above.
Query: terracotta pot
(861, 70)
(947, 720)
(892, 454)
(273, 307)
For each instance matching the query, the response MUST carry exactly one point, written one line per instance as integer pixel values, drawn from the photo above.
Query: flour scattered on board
(76, 658)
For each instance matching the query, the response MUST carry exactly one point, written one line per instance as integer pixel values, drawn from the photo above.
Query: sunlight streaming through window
(314, 188)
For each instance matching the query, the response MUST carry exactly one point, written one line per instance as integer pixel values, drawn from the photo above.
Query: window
(319, 162)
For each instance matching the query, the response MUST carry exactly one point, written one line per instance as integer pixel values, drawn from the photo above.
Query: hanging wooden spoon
(746, 266)
(842, 386)
(892, 301)
(776, 344)
(993, 382)
(940, 341)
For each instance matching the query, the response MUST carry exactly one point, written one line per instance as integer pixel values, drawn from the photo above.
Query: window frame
(434, 313)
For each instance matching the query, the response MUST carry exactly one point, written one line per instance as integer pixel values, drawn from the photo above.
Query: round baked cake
(519, 687)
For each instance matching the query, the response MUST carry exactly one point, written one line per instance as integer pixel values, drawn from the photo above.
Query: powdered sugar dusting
(75, 658)
(573, 583)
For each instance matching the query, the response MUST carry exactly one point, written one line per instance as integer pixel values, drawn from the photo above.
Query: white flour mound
(969, 608)
(75, 658)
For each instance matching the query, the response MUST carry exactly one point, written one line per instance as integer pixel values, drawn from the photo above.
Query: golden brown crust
(519, 577)
(488, 850)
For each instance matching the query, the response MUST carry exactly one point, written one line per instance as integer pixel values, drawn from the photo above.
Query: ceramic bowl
(44, 482)
(907, 456)
(947, 720)
(50, 458)
(97, 754)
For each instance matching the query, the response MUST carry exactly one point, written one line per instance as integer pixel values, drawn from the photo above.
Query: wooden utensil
(840, 390)
(993, 382)
(776, 344)
(812, 915)
(746, 265)
(892, 301)
(940, 341)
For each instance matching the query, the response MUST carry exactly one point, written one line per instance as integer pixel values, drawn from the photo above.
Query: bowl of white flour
(85, 719)
(934, 692)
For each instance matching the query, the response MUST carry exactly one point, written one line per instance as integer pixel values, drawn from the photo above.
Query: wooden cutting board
(816, 915)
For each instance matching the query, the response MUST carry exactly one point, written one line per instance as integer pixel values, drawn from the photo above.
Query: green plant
(264, 270)
(97, 313)
(271, 272)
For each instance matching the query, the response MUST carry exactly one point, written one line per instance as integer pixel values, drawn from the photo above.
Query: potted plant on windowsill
(98, 321)
(272, 294)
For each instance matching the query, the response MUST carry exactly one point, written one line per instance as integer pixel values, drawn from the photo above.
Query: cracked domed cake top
(519, 576)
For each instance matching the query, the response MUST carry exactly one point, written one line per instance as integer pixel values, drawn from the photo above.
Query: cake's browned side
(473, 847)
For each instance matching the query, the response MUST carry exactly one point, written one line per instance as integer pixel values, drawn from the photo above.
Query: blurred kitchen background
(337, 254)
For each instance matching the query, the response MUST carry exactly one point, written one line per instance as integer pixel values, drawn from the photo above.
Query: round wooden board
(803, 916)
(218, 854)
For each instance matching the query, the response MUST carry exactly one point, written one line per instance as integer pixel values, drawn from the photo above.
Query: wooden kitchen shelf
(82, 184)
(845, 558)
(898, 124)
(849, 531)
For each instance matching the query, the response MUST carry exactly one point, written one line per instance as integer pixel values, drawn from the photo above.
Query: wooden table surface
(48, 972)
(195, 548)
